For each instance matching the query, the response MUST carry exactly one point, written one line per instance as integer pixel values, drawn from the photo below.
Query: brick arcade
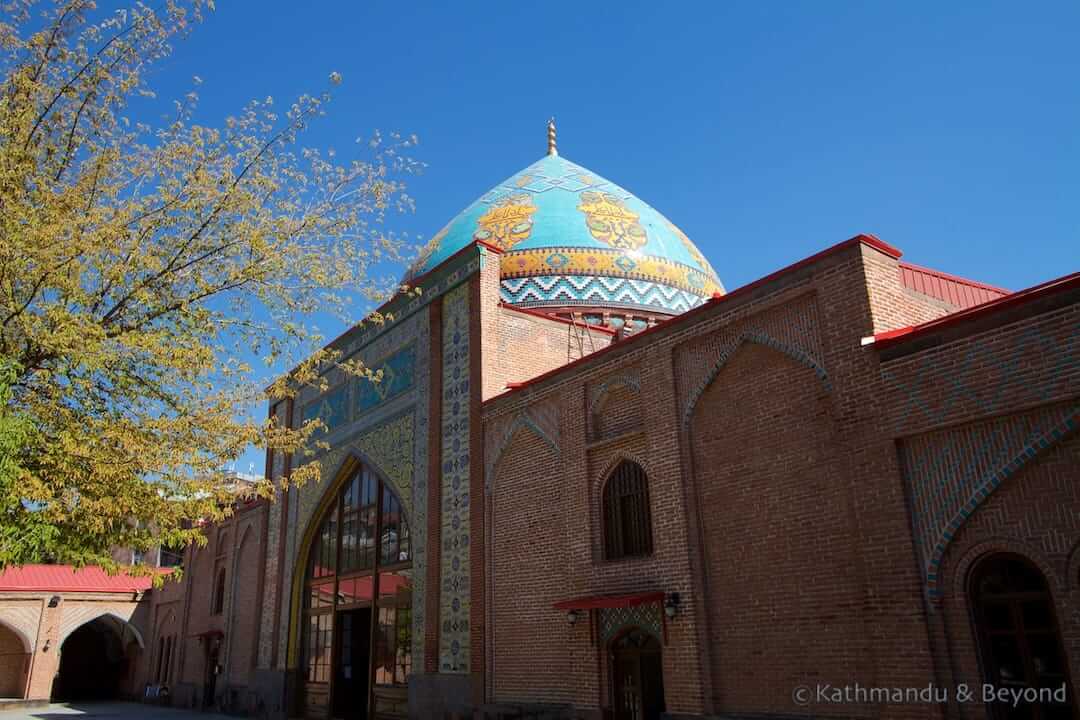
(594, 484)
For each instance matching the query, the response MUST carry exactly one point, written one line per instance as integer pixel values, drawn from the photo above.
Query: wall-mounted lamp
(671, 605)
(54, 601)
(572, 616)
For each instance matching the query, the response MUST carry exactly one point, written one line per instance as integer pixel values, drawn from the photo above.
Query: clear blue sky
(765, 130)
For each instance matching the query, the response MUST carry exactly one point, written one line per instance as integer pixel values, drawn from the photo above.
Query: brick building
(99, 620)
(594, 484)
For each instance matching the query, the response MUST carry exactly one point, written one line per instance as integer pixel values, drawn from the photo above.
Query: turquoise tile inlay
(332, 408)
(398, 374)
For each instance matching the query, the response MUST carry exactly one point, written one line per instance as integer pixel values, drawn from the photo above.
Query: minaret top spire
(551, 138)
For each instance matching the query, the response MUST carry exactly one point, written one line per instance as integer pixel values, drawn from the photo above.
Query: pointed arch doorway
(96, 660)
(356, 615)
(637, 680)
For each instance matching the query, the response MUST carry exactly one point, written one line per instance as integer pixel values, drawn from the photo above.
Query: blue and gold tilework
(556, 220)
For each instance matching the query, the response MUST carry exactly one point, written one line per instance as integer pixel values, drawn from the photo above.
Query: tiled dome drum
(572, 240)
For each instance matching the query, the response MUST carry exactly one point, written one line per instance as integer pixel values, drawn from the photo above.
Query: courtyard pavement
(106, 711)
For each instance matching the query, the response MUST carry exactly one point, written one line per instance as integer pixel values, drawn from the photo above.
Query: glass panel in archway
(1019, 638)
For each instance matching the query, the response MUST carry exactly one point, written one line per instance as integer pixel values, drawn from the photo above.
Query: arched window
(627, 525)
(219, 592)
(1018, 636)
(359, 587)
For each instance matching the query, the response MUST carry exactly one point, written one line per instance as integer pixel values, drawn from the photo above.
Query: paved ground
(109, 711)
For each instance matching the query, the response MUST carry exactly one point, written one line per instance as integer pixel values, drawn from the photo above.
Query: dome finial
(551, 137)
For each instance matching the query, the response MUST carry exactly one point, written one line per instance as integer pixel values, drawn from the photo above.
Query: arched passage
(95, 660)
(14, 659)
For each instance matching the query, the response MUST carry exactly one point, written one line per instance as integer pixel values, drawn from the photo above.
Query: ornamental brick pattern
(952, 472)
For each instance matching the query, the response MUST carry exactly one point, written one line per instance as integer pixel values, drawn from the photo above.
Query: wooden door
(637, 677)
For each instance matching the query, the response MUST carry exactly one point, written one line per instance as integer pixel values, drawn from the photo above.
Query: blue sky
(766, 131)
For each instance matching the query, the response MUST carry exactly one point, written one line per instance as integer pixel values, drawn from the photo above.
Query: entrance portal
(637, 677)
(93, 663)
(356, 619)
(1019, 637)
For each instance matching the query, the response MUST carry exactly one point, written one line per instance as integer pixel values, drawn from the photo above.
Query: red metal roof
(65, 578)
(590, 602)
(957, 291)
(890, 337)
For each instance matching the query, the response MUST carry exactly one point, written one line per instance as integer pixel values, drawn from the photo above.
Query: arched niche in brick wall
(778, 549)
(729, 350)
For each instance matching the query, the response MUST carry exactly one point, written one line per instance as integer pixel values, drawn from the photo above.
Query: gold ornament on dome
(692, 249)
(611, 222)
(508, 222)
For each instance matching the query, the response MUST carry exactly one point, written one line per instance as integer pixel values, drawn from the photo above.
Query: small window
(170, 557)
(219, 592)
(627, 525)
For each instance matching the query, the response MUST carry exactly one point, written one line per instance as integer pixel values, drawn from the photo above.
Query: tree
(140, 264)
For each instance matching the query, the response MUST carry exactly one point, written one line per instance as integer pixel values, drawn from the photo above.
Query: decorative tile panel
(613, 292)
(398, 372)
(647, 617)
(390, 447)
(455, 576)
(332, 408)
(419, 526)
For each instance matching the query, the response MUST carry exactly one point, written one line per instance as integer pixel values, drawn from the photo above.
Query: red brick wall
(615, 405)
(186, 609)
(981, 401)
(824, 506)
(167, 620)
(1034, 515)
(534, 645)
(778, 540)
(200, 587)
(525, 345)
(518, 346)
(244, 626)
(13, 662)
(892, 305)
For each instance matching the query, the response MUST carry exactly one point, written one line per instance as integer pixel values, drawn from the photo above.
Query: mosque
(594, 483)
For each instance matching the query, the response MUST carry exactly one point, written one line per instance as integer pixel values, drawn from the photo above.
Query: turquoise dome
(572, 238)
